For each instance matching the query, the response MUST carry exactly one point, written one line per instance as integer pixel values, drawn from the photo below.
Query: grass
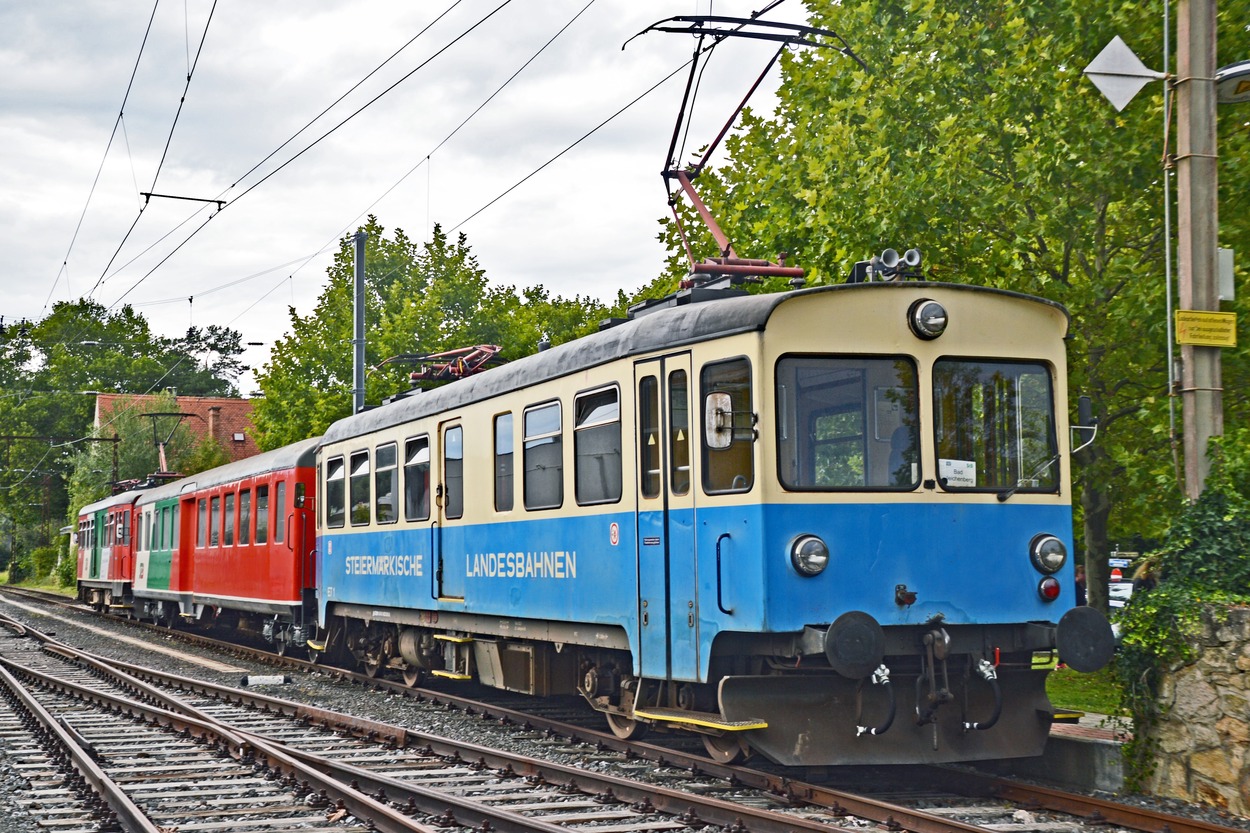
(1098, 692)
(47, 584)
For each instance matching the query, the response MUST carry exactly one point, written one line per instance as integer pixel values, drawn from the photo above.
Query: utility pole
(1197, 184)
(358, 325)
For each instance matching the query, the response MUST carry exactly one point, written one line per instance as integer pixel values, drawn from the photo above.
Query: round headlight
(927, 319)
(1047, 553)
(809, 555)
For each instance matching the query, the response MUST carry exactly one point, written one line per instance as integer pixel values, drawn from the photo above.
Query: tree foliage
(50, 370)
(1203, 566)
(97, 463)
(420, 298)
(974, 136)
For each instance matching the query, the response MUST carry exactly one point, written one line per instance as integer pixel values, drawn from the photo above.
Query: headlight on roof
(927, 319)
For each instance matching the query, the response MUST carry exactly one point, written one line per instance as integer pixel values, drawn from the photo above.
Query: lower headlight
(1047, 553)
(809, 555)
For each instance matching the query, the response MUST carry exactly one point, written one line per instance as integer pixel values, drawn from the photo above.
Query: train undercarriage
(928, 693)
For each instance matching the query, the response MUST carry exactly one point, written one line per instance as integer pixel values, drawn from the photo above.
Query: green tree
(49, 370)
(974, 136)
(136, 456)
(419, 299)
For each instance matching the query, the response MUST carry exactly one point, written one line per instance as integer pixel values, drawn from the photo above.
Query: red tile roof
(228, 421)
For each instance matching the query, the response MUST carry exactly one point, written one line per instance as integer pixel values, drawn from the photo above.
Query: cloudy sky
(585, 224)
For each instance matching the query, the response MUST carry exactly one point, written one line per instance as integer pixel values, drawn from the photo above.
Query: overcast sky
(586, 224)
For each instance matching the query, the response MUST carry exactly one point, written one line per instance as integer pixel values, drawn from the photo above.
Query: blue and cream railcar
(829, 525)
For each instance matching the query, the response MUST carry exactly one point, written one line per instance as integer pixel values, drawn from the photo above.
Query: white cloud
(584, 225)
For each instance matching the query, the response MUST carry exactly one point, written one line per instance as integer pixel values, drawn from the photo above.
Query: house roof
(228, 421)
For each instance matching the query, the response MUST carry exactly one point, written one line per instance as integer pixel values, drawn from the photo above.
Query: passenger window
(544, 458)
(336, 493)
(214, 522)
(359, 486)
(417, 479)
(384, 507)
(245, 516)
(279, 513)
(262, 514)
(228, 521)
(503, 463)
(202, 524)
(453, 470)
(597, 447)
(731, 468)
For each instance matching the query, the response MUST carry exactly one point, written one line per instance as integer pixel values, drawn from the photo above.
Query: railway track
(773, 801)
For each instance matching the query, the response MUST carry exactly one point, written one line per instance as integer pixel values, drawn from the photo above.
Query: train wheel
(373, 668)
(626, 728)
(724, 749)
(413, 676)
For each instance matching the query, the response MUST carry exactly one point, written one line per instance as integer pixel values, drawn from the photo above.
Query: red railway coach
(106, 564)
(246, 548)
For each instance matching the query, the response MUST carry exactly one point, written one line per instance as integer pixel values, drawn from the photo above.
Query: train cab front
(916, 582)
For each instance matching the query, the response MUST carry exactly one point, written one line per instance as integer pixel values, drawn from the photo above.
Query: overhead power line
(107, 147)
(168, 139)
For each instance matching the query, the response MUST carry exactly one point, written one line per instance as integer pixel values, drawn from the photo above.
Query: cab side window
(729, 461)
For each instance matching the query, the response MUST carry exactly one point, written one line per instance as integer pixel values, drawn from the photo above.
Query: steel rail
(661, 799)
(1102, 811)
(796, 791)
(238, 746)
(127, 812)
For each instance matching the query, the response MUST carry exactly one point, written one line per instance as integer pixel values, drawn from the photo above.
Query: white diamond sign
(1119, 74)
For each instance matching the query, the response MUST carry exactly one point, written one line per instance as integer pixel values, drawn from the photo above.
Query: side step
(708, 720)
(451, 675)
(458, 656)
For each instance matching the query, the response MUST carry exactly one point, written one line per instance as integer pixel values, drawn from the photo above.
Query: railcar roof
(300, 454)
(112, 500)
(659, 330)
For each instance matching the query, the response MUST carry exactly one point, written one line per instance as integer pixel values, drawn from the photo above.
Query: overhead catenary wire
(96, 181)
(165, 152)
(194, 232)
(311, 145)
(426, 159)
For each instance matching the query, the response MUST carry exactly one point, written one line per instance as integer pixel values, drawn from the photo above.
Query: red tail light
(1048, 588)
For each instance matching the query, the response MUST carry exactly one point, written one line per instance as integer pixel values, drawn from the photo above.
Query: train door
(668, 614)
(106, 545)
(97, 534)
(449, 533)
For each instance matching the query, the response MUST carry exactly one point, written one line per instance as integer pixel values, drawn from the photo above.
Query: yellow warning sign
(1206, 329)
